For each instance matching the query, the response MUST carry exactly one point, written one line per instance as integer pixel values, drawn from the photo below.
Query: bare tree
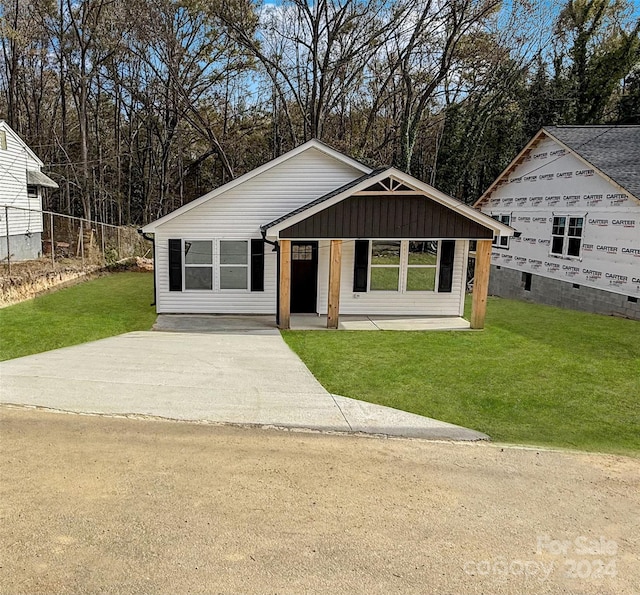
(314, 54)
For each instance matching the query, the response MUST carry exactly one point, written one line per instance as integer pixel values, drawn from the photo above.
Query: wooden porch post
(335, 268)
(285, 285)
(481, 283)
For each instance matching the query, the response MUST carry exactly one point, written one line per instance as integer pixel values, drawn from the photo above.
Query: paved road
(90, 505)
(244, 377)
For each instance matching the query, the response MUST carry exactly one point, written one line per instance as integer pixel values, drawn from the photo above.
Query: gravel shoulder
(93, 504)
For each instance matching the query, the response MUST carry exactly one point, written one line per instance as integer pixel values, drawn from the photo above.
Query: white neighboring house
(315, 231)
(21, 183)
(573, 196)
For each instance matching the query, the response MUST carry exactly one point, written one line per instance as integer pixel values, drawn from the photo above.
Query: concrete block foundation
(21, 247)
(510, 283)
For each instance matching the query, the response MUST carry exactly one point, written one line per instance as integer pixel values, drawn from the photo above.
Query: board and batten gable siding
(14, 162)
(387, 217)
(237, 215)
(410, 303)
(553, 182)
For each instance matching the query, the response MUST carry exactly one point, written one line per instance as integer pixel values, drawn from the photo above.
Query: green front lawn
(535, 375)
(104, 307)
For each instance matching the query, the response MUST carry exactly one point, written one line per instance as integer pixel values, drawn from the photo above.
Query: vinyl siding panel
(212, 302)
(238, 214)
(391, 303)
(14, 162)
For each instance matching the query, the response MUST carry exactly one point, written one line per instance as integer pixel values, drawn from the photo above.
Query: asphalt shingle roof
(614, 150)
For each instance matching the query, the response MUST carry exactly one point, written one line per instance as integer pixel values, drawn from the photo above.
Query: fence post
(104, 256)
(53, 243)
(119, 246)
(82, 241)
(6, 223)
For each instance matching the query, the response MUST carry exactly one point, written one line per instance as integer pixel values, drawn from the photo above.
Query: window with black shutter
(175, 265)
(361, 265)
(447, 253)
(257, 265)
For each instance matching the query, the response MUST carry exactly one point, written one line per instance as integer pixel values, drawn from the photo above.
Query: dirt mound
(133, 264)
(34, 277)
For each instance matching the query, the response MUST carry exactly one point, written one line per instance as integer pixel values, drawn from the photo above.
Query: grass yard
(107, 306)
(535, 375)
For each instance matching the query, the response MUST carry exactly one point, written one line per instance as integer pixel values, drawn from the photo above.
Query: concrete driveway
(241, 377)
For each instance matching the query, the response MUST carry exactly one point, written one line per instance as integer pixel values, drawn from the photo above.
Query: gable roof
(614, 151)
(4, 126)
(312, 144)
(372, 178)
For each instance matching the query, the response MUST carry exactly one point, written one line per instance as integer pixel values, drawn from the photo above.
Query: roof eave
(17, 137)
(512, 165)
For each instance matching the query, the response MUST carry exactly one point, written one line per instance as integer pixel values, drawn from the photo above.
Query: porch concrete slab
(356, 324)
(426, 323)
(313, 322)
(241, 377)
(350, 322)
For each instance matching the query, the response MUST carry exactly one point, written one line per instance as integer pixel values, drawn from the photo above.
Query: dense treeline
(138, 106)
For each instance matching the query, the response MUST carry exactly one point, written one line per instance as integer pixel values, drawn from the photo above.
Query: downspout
(276, 249)
(153, 242)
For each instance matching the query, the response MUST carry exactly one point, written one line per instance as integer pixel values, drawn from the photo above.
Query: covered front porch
(334, 319)
(385, 245)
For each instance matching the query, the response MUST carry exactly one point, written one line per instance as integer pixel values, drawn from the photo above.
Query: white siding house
(237, 214)
(572, 195)
(21, 183)
(263, 243)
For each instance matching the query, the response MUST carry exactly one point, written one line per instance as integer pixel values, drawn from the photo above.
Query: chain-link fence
(55, 240)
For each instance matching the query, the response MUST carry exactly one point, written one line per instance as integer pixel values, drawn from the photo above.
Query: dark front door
(304, 277)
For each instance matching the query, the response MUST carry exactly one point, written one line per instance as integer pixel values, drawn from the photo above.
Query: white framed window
(501, 241)
(566, 236)
(422, 266)
(403, 265)
(198, 264)
(384, 272)
(234, 264)
(33, 191)
(215, 265)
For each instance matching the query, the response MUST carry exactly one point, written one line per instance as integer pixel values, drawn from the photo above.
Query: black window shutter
(175, 265)
(257, 265)
(361, 265)
(447, 252)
